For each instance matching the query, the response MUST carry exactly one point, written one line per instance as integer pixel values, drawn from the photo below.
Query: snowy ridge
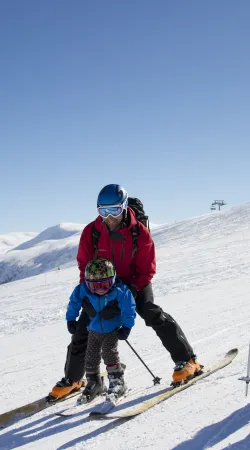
(10, 240)
(56, 233)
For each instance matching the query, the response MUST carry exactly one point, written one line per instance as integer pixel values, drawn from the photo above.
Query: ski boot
(95, 386)
(63, 388)
(185, 371)
(117, 387)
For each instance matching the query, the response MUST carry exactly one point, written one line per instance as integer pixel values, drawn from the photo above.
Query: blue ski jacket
(120, 292)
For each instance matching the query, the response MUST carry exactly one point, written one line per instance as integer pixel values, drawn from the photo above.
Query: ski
(104, 407)
(86, 399)
(77, 408)
(110, 403)
(29, 409)
(169, 392)
(22, 412)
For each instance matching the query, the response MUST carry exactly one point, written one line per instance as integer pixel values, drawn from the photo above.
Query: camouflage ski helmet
(99, 269)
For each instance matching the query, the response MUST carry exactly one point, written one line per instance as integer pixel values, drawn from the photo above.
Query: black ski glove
(110, 311)
(88, 308)
(123, 333)
(71, 324)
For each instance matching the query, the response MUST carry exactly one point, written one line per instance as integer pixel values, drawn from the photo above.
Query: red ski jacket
(137, 271)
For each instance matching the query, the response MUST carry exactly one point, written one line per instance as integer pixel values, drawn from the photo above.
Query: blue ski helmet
(112, 194)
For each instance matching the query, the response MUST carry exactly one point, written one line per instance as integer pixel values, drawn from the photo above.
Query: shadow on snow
(50, 425)
(217, 432)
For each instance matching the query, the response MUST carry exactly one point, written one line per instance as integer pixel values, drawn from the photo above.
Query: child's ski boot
(95, 387)
(117, 387)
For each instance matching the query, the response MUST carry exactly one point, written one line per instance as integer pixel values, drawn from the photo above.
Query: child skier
(109, 309)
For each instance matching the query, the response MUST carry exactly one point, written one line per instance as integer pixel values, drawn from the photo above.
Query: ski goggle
(100, 287)
(112, 210)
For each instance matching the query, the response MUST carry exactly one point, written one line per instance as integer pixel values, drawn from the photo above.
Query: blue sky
(151, 94)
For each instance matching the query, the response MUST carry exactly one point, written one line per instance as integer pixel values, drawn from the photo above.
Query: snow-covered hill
(203, 250)
(48, 250)
(11, 240)
(203, 281)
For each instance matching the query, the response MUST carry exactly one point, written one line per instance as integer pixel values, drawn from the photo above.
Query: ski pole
(247, 378)
(156, 380)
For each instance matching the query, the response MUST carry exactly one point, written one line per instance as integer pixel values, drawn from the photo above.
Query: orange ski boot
(186, 370)
(64, 388)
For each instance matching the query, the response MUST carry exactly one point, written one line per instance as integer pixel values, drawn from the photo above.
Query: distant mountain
(10, 240)
(48, 250)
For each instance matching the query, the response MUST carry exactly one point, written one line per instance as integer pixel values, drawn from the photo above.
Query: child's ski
(110, 403)
(78, 407)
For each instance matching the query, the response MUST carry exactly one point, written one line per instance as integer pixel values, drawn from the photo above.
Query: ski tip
(233, 351)
(95, 415)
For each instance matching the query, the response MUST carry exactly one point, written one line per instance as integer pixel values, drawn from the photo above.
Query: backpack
(137, 206)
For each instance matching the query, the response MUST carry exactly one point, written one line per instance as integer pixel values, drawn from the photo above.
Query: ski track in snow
(203, 281)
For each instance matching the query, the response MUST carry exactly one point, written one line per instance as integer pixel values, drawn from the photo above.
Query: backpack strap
(96, 236)
(135, 235)
(95, 240)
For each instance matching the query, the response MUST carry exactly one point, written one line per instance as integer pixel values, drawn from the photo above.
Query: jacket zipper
(123, 247)
(99, 307)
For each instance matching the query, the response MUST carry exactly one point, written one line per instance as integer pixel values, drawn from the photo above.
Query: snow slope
(203, 281)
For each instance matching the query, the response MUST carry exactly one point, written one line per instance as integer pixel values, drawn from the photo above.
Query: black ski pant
(166, 328)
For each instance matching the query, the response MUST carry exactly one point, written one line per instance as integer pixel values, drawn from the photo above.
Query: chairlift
(213, 208)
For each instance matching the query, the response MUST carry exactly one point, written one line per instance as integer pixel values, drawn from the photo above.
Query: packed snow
(203, 268)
